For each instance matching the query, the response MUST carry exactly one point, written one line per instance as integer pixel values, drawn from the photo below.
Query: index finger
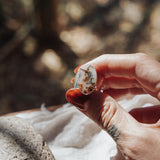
(137, 66)
(108, 65)
(147, 115)
(118, 65)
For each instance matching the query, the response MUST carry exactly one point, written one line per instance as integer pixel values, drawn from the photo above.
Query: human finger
(132, 138)
(86, 81)
(147, 115)
(113, 65)
(140, 67)
(119, 93)
(105, 111)
(120, 83)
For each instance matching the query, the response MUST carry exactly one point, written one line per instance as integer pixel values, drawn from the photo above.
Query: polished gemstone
(86, 79)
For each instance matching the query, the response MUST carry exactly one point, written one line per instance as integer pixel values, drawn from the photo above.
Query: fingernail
(76, 69)
(72, 80)
(75, 97)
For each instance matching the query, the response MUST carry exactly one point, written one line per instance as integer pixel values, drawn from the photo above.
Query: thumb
(105, 111)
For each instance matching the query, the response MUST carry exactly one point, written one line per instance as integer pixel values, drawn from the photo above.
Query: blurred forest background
(41, 41)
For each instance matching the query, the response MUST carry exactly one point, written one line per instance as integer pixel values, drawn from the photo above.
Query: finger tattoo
(114, 133)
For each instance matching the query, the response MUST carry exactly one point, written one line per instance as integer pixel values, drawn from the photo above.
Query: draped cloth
(71, 135)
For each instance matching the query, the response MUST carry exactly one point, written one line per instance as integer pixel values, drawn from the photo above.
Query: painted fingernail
(72, 80)
(76, 69)
(75, 97)
(86, 79)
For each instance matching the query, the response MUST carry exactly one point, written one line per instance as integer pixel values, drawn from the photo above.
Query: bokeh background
(42, 41)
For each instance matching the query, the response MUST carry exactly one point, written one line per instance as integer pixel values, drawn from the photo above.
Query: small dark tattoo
(114, 133)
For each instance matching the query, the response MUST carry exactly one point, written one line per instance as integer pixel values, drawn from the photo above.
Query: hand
(123, 74)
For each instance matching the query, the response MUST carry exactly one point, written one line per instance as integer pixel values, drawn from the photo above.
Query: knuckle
(134, 144)
(131, 148)
(103, 56)
(141, 56)
(108, 113)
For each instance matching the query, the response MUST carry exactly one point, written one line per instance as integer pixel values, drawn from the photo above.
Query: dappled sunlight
(81, 40)
(155, 41)
(102, 2)
(155, 18)
(52, 61)
(152, 44)
(126, 26)
(30, 46)
(155, 28)
(74, 10)
(132, 11)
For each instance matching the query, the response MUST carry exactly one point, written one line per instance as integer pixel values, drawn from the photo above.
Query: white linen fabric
(72, 136)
